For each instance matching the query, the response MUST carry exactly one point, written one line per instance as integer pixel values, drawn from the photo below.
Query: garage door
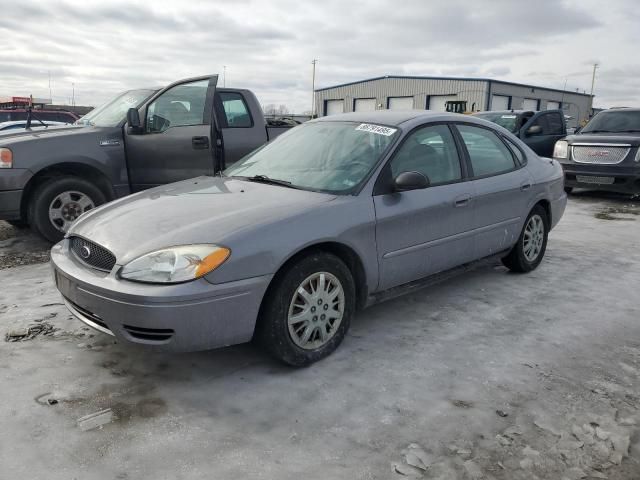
(400, 103)
(334, 106)
(438, 102)
(500, 102)
(530, 104)
(553, 105)
(364, 105)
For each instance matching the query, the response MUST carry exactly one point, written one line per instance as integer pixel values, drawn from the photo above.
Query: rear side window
(236, 111)
(487, 153)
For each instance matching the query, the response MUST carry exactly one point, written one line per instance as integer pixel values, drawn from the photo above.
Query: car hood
(37, 133)
(199, 210)
(632, 139)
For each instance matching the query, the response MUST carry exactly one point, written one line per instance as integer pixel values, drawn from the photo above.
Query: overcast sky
(107, 46)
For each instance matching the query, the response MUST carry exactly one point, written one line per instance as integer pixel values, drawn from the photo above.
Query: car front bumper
(184, 317)
(615, 178)
(12, 183)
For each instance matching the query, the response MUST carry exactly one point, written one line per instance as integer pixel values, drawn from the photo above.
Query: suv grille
(92, 254)
(599, 154)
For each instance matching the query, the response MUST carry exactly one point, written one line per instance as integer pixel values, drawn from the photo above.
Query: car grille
(93, 254)
(599, 154)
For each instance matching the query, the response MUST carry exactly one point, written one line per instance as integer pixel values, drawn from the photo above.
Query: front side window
(554, 121)
(180, 106)
(235, 110)
(326, 156)
(487, 153)
(430, 151)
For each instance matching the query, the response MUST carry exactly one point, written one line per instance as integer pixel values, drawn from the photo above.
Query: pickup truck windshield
(616, 121)
(332, 157)
(114, 112)
(505, 120)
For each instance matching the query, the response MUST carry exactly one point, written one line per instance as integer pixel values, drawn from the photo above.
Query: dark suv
(605, 154)
(10, 115)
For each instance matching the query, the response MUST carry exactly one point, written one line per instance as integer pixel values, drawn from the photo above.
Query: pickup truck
(539, 130)
(140, 139)
(605, 154)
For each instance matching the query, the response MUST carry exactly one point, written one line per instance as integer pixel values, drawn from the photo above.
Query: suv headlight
(175, 264)
(6, 158)
(561, 149)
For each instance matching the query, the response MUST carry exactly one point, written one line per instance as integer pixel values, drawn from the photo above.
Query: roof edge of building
(472, 79)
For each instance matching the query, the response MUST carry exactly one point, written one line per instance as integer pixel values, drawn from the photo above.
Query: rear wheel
(57, 203)
(308, 310)
(527, 254)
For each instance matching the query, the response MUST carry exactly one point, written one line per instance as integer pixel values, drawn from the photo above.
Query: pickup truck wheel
(527, 254)
(308, 310)
(58, 202)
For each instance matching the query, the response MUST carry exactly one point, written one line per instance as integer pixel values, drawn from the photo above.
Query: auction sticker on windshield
(380, 130)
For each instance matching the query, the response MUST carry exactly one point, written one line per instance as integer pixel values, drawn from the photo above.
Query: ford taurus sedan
(286, 244)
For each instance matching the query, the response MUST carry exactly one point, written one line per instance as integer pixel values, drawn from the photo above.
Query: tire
(52, 190)
(282, 300)
(520, 259)
(568, 190)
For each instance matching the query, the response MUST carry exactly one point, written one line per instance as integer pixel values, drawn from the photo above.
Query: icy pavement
(489, 375)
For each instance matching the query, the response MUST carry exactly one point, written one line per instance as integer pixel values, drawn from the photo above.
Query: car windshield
(617, 121)
(114, 112)
(328, 156)
(506, 120)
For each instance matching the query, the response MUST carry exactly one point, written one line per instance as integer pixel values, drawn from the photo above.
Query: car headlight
(6, 158)
(561, 149)
(175, 264)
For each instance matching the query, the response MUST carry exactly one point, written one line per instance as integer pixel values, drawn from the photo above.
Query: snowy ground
(489, 375)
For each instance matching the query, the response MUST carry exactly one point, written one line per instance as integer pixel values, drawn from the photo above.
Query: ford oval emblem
(85, 252)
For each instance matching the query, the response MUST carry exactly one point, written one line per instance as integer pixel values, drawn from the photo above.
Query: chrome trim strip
(86, 320)
(584, 144)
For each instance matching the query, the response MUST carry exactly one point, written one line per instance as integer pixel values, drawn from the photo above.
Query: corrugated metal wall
(473, 91)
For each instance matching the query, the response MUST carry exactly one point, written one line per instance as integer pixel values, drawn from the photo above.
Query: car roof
(389, 117)
(506, 112)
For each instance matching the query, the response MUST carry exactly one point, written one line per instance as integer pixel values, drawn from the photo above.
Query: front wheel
(527, 254)
(308, 310)
(57, 203)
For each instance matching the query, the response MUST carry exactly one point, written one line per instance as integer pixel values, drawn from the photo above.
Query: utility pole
(313, 87)
(73, 94)
(50, 94)
(224, 76)
(593, 77)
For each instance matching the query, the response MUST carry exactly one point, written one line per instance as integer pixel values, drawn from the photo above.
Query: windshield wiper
(633, 130)
(268, 180)
(597, 131)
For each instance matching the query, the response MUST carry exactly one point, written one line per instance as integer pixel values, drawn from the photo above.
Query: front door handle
(200, 143)
(462, 201)
(524, 187)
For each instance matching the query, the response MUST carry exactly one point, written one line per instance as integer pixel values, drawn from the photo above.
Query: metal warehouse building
(432, 93)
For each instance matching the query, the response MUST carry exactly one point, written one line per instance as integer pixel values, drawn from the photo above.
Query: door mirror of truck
(410, 181)
(134, 126)
(533, 130)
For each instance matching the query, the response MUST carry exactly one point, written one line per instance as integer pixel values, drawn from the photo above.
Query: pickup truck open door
(176, 136)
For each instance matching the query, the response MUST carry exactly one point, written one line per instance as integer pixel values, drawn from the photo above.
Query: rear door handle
(200, 143)
(462, 201)
(524, 187)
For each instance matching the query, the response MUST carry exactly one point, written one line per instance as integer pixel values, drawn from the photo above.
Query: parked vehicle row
(284, 245)
(140, 139)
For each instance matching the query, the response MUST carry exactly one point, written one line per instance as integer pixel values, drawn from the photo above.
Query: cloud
(104, 47)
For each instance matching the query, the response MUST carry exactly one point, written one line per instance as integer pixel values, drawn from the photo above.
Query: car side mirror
(534, 130)
(410, 181)
(133, 121)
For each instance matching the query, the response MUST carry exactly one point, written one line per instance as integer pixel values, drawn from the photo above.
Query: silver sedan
(287, 243)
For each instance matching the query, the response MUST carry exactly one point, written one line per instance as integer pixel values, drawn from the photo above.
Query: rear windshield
(505, 120)
(614, 121)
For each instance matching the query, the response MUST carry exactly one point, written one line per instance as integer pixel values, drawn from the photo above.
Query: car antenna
(31, 115)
